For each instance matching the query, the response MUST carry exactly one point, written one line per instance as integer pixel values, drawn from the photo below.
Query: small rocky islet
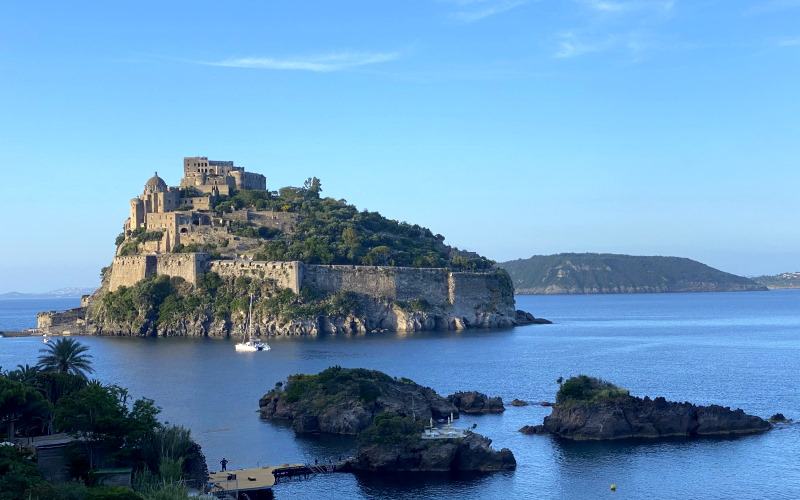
(590, 409)
(389, 417)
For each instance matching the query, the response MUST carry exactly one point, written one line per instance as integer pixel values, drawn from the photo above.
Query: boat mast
(249, 320)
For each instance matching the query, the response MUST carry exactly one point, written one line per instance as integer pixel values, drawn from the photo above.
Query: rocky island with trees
(389, 417)
(590, 409)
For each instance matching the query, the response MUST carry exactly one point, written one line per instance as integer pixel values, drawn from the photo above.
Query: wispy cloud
(471, 11)
(335, 61)
(571, 45)
(623, 7)
(773, 6)
(624, 26)
(789, 42)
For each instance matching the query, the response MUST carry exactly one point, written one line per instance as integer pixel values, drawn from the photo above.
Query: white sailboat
(248, 344)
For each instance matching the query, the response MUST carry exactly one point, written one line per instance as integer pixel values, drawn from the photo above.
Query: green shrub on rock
(584, 389)
(391, 428)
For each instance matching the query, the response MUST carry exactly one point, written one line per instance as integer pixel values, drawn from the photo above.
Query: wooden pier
(243, 483)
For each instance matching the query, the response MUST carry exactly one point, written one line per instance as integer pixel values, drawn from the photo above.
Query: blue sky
(513, 127)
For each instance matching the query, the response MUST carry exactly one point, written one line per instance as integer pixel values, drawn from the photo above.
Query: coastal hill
(584, 273)
(221, 254)
(779, 281)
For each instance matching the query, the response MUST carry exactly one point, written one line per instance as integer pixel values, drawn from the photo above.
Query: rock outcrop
(346, 401)
(778, 418)
(476, 403)
(632, 417)
(471, 453)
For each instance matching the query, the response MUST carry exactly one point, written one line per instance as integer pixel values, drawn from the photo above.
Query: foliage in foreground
(584, 389)
(112, 430)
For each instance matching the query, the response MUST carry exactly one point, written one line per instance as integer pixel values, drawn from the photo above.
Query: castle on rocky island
(171, 230)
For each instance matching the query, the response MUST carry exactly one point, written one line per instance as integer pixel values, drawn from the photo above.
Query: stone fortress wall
(129, 270)
(464, 291)
(284, 221)
(395, 283)
(285, 274)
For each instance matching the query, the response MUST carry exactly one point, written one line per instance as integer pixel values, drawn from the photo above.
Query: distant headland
(780, 281)
(585, 273)
(191, 257)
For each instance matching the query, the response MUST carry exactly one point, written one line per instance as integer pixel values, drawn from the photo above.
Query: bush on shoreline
(585, 389)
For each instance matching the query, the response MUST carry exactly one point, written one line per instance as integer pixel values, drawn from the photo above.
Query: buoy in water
(613, 487)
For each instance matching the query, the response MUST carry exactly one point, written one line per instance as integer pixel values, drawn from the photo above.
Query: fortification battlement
(461, 290)
(285, 274)
(129, 270)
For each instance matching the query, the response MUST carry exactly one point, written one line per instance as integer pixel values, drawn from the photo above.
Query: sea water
(734, 349)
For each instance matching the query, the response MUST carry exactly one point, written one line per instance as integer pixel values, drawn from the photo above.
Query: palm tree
(66, 356)
(25, 374)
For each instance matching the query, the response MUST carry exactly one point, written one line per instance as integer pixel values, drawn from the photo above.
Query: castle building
(174, 211)
(207, 175)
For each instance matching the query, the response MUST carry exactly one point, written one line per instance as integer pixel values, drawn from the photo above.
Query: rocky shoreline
(471, 453)
(377, 316)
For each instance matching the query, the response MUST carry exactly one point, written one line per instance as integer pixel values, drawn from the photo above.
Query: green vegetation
(197, 247)
(250, 230)
(110, 429)
(130, 245)
(583, 389)
(413, 305)
(391, 428)
(65, 356)
(333, 232)
(129, 248)
(331, 386)
(142, 302)
(611, 273)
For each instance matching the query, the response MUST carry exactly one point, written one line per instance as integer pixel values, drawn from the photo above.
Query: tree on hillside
(313, 187)
(66, 356)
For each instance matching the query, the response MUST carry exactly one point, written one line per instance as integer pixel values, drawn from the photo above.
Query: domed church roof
(155, 185)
